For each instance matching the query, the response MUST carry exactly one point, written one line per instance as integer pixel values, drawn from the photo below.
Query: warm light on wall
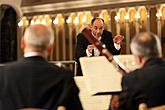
(43, 21)
(105, 15)
(159, 14)
(34, 19)
(126, 21)
(88, 17)
(59, 20)
(46, 20)
(84, 19)
(76, 20)
(55, 21)
(101, 16)
(126, 17)
(20, 23)
(117, 17)
(137, 15)
(68, 21)
(38, 21)
(32, 22)
(23, 22)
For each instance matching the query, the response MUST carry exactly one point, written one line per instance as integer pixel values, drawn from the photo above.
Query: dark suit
(82, 43)
(33, 82)
(144, 85)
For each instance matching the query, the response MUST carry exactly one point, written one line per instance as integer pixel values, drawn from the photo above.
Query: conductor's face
(97, 28)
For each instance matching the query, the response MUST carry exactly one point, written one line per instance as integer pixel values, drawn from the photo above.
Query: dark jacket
(33, 82)
(82, 43)
(144, 85)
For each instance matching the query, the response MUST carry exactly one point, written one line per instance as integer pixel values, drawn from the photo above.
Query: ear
(23, 43)
(90, 26)
(50, 48)
(139, 59)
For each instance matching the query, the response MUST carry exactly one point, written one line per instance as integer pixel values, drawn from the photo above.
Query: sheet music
(127, 61)
(89, 102)
(100, 75)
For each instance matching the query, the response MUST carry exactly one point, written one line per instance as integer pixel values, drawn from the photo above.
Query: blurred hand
(114, 102)
(90, 48)
(118, 39)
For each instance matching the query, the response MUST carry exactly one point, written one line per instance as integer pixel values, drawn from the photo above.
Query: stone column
(63, 38)
(56, 38)
(127, 32)
(117, 19)
(159, 22)
(109, 21)
(70, 38)
(137, 17)
(148, 18)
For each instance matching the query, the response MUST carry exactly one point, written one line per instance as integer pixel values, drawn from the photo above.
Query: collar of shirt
(30, 54)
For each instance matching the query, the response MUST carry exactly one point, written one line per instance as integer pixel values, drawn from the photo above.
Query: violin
(104, 51)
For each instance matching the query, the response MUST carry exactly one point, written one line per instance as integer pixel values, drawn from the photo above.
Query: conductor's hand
(118, 39)
(90, 48)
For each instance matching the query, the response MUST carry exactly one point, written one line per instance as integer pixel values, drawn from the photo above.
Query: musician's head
(97, 27)
(145, 46)
(38, 38)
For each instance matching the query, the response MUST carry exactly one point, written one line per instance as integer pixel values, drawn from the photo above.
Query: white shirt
(97, 52)
(30, 54)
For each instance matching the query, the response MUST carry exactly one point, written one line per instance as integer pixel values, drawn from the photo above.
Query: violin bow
(103, 50)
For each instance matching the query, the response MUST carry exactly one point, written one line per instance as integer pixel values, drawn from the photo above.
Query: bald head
(97, 27)
(146, 45)
(38, 37)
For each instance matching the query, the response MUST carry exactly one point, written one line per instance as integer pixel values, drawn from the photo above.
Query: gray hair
(146, 45)
(39, 36)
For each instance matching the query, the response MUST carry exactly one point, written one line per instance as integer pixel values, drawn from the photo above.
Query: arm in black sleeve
(107, 39)
(81, 46)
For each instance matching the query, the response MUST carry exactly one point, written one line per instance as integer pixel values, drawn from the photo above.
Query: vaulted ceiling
(67, 6)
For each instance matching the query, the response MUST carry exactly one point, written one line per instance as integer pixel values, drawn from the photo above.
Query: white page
(127, 61)
(100, 75)
(88, 101)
